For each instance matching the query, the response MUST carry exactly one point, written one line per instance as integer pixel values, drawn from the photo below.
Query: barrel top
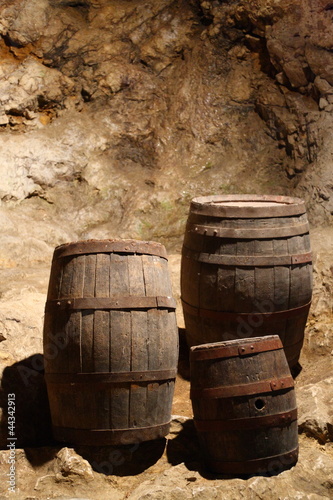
(247, 206)
(110, 246)
(238, 347)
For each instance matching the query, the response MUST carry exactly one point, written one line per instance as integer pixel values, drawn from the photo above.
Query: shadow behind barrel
(25, 381)
(33, 425)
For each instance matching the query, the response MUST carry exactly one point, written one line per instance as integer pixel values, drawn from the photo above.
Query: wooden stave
(194, 274)
(238, 448)
(158, 395)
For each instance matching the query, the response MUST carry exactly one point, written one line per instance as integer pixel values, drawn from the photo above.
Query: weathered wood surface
(249, 433)
(252, 279)
(111, 341)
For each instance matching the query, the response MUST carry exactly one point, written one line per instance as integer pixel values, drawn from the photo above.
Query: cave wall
(114, 114)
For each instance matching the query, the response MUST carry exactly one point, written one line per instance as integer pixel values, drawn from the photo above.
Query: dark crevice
(329, 6)
(264, 57)
(205, 19)
(15, 112)
(10, 43)
(78, 4)
(86, 96)
(36, 194)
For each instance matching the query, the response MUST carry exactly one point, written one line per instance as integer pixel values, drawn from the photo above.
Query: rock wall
(133, 108)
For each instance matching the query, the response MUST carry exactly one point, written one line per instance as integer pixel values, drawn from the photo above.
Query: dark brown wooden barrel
(244, 406)
(110, 342)
(246, 270)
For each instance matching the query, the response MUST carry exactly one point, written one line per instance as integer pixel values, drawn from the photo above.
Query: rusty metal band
(278, 420)
(110, 246)
(217, 206)
(110, 303)
(239, 316)
(261, 387)
(104, 437)
(107, 378)
(200, 353)
(245, 233)
(248, 260)
(269, 464)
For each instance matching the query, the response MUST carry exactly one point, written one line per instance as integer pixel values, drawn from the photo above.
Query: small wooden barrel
(246, 270)
(244, 406)
(110, 342)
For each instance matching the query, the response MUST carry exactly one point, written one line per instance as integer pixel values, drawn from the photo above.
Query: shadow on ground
(125, 460)
(24, 383)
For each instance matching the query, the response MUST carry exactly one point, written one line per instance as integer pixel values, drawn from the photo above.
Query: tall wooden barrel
(246, 270)
(110, 342)
(244, 406)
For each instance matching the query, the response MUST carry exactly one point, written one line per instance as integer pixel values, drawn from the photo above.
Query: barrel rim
(235, 342)
(112, 245)
(285, 206)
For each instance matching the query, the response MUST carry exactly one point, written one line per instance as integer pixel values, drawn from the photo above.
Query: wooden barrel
(246, 270)
(110, 342)
(244, 406)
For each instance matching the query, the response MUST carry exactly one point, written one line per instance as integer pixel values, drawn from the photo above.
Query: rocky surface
(110, 103)
(113, 115)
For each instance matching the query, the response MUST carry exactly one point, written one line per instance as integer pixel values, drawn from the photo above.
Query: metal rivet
(195, 229)
(215, 232)
(69, 302)
(58, 303)
(243, 349)
(252, 347)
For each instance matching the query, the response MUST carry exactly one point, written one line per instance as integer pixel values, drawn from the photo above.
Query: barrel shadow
(296, 370)
(33, 425)
(184, 355)
(24, 382)
(125, 460)
(184, 448)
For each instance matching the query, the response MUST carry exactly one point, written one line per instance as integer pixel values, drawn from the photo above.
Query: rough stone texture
(316, 409)
(124, 96)
(113, 115)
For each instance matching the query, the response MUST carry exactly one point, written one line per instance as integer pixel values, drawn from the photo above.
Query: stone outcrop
(315, 402)
(209, 92)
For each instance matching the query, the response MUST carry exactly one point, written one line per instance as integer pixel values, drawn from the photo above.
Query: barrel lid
(247, 206)
(110, 246)
(237, 347)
